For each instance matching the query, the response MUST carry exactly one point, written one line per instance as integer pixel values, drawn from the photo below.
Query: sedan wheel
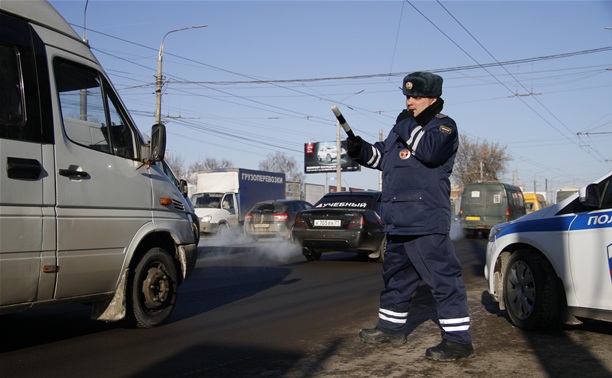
(530, 291)
(310, 254)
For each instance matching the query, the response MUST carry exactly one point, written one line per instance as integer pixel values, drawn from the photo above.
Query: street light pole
(159, 77)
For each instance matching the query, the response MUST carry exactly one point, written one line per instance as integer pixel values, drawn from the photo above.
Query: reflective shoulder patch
(445, 129)
(440, 115)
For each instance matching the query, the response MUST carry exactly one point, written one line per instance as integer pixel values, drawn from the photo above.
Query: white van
(85, 214)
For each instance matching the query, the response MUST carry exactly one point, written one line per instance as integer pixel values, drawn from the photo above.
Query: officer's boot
(378, 336)
(449, 351)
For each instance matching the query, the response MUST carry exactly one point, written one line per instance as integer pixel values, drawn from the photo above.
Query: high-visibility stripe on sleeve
(415, 136)
(375, 159)
(415, 144)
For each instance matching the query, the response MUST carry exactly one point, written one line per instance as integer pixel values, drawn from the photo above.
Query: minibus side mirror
(183, 188)
(158, 142)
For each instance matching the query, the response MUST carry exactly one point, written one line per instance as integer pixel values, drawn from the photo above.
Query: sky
(534, 77)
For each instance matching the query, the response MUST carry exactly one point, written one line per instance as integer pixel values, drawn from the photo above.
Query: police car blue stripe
(561, 223)
(593, 220)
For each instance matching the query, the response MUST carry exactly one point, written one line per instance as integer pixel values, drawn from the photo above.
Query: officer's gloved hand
(403, 115)
(353, 146)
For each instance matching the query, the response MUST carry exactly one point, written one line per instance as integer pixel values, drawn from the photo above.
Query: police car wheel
(530, 292)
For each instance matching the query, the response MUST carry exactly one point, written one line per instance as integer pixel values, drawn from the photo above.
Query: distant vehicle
(328, 154)
(555, 265)
(224, 196)
(268, 219)
(534, 202)
(342, 221)
(485, 204)
(566, 192)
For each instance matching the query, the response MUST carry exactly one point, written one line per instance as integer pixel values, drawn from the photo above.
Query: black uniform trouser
(430, 258)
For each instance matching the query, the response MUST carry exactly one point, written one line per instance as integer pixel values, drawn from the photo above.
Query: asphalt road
(264, 311)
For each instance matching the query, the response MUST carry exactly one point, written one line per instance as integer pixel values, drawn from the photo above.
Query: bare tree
(176, 163)
(478, 161)
(281, 162)
(206, 164)
(210, 163)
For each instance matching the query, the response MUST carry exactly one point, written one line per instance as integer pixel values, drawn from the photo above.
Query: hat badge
(408, 85)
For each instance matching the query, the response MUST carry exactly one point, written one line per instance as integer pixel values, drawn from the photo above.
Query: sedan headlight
(207, 218)
(496, 230)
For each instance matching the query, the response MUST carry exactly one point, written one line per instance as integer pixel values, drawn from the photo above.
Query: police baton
(345, 126)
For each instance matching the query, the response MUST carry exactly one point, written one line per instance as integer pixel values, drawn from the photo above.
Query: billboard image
(323, 157)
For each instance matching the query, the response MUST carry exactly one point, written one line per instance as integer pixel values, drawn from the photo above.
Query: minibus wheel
(152, 289)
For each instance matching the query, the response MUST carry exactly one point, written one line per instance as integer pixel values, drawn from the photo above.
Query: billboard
(322, 157)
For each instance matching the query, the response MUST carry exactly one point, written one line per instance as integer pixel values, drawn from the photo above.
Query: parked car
(555, 265)
(274, 218)
(342, 221)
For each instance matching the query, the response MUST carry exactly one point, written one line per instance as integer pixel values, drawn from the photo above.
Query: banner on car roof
(323, 157)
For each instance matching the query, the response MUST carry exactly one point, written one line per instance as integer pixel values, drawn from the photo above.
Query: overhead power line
(403, 73)
(569, 137)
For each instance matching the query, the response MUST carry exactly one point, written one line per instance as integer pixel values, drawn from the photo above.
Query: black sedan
(342, 221)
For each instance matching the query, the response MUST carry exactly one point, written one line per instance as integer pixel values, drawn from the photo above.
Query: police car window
(606, 202)
(11, 95)
(90, 117)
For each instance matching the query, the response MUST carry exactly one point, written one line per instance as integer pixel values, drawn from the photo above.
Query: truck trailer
(224, 196)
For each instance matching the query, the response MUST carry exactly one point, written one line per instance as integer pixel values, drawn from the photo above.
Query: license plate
(327, 223)
(472, 218)
(261, 225)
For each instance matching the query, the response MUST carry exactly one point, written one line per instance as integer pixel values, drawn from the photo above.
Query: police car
(555, 265)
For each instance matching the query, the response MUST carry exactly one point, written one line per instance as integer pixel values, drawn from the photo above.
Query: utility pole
(159, 77)
(338, 158)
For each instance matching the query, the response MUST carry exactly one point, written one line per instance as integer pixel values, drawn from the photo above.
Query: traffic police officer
(417, 160)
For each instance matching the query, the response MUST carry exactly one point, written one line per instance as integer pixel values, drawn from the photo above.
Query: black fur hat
(422, 84)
